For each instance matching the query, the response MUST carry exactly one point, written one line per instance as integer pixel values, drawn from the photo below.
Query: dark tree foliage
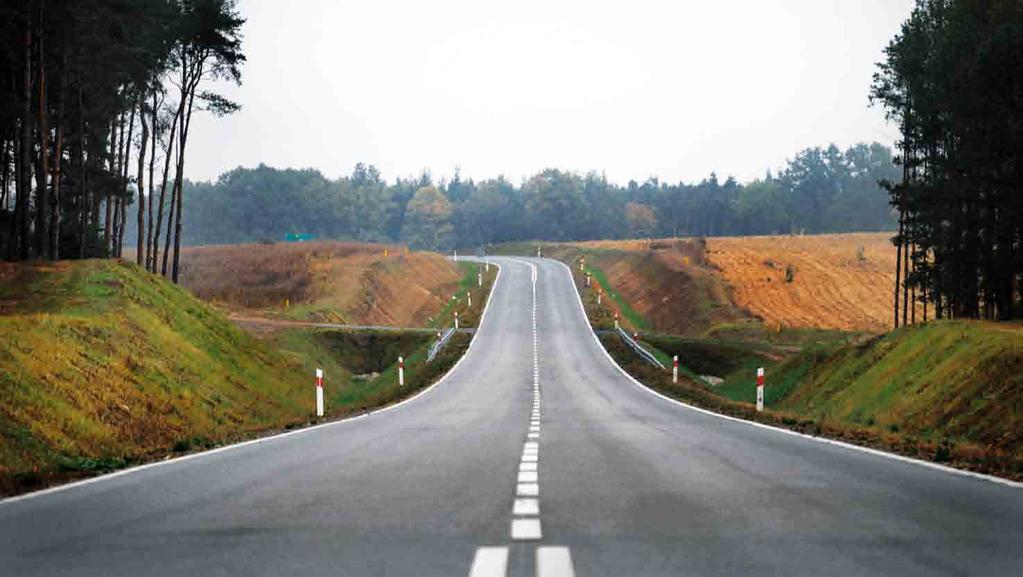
(84, 105)
(952, 79)
(820, 190)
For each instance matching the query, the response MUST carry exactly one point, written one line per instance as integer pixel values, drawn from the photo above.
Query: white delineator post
(456, 256)
(616, 320)
(587, 279)
(401, 372)
(760, 389)
(456, 320)
(468, 297)
(674, 369)
(600, 294)
(319, 392)
(479, 278)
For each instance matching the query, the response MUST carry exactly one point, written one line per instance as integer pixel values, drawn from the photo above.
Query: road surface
(613, 480)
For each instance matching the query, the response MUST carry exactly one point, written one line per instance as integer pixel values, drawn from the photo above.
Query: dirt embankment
(324, 281)
(684, 286)
(835, 281)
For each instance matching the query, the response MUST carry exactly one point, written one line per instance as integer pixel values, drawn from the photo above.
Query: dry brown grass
(839, 281)
(344, 282)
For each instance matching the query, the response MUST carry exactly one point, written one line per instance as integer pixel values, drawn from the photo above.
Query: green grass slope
(955, 380)
(103, 365)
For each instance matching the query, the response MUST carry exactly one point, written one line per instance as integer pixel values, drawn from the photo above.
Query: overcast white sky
(674, 89)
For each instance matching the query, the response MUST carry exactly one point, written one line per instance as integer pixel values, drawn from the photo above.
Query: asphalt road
(613, 481)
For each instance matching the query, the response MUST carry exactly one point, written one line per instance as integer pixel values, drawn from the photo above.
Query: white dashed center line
(525, 524)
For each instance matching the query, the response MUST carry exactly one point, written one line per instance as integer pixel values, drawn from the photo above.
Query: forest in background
(819, 190)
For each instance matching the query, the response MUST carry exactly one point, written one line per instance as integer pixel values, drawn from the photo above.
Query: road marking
(532, 445)
(526, 529)
(534, 429)
(875, 452)
(554, 562)
(526, 507)
(490, 562)
(530, 458)
(526, 466)
(527, 490)
(528, 477)
(533, 435)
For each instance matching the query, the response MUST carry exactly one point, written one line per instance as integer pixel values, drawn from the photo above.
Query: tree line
(96, 102)
(819, 190)
(951, 79)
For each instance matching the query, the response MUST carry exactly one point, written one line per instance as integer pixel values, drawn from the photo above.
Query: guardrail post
(760, 389)
(319, 392)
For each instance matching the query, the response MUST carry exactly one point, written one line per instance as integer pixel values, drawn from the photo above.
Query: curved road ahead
(535, 456)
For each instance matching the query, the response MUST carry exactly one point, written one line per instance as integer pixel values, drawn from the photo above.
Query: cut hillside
(833, 281)
(103, 364)
(323, 281)
(840, 282)
(957, 380)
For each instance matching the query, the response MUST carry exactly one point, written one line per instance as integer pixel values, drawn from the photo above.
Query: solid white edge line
(871, 451)
(489, 562)
(278, 436)
(554, 562)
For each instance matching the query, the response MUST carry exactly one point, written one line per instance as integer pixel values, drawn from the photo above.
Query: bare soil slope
(838, 281)
(327, 281)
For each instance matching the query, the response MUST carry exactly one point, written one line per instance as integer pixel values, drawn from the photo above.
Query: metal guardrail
(437, 346)
(643, 353)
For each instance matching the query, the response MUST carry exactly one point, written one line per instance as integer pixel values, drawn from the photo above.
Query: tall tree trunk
(24, 180)
(58, 153)
(898, 260)
(125, 154)
(141, 181)
(152, 188)
(43, 173)
(108, 221)
(163, 189)
(186, 121)
(83, 186)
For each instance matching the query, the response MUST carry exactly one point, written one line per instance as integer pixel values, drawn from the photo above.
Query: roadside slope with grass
(103, 365)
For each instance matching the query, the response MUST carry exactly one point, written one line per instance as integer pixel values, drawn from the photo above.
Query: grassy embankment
(468, 285)
(103, 365)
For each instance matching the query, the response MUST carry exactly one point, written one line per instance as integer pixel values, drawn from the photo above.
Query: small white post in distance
(616, 320)
(538, 251)
(760, 389)
(488, 266)
(468, 297)
(674, 369)
(319, 392)
(401, 372)
(599, 295)
(587, 279)
(456, 256)
(456, 320)
(582, 263)
(479, 279)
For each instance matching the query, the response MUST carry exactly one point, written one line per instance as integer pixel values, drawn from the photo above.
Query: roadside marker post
(468, 297)
(401, 372)
(479, 279)
(616, 320)
(319, 392)
(582, 263)
(760, 389)
(456, 320)
(674, 369)
(456, 256)
(587, 279)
